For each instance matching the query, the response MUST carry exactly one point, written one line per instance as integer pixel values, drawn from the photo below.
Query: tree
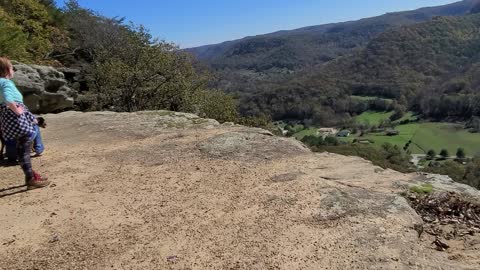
(431, 154)
(453, 169)
(38, 24)
(472, 174)
(215, 104)
(399, 112)
(48, 3)
(329, 140)
(461, 153)
(133, 71)
(474, 124)
(311, 140)
(385, 123)
(444, 153)
(129, 70)
(90, 32)
(13, 42)
(395, 155)
(145, 74)
(475, 9)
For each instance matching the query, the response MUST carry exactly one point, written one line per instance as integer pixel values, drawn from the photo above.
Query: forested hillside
(32, 30)
(313, 45)
(125, 68)
(287, 51)
(428, 67)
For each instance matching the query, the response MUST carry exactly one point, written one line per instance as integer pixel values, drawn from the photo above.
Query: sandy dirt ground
(162, 191)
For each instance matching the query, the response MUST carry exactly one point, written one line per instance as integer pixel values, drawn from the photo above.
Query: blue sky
(192, 23)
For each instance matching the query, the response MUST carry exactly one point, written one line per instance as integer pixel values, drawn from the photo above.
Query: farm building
(343, 133)
(327, 131)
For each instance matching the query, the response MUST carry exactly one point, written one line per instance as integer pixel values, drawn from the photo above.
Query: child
(18, 123)
(37, 148)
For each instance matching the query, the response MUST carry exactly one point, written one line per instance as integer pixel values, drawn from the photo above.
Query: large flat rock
(163, 190)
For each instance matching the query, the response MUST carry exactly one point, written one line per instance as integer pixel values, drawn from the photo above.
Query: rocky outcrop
(445, 183)
(45, 89)
(165, 190)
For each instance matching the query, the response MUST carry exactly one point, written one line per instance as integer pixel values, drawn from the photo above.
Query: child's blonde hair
(5, 65)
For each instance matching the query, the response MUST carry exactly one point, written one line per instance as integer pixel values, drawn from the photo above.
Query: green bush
(431, 154)
(461, 153)
(144, 74)
(329, 140)
(422, 189)
(215, 104)
(388, 156)
(313, 140)
(261, 121)
(444, 153)
(451, 168)
(472, 174)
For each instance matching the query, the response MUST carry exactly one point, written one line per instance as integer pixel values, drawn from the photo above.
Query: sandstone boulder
(45, 89)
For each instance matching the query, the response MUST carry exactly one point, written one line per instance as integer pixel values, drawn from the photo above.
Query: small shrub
(444, 153)
(261, 121)
(422, 189)
(215, 104)
(331, 141)
(313, 140)
(461, 153)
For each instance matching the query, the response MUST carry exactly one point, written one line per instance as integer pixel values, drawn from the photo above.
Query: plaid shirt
(15, 126)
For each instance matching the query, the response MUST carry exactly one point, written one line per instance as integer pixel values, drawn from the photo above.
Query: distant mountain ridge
(430, 68)
(313, 45)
